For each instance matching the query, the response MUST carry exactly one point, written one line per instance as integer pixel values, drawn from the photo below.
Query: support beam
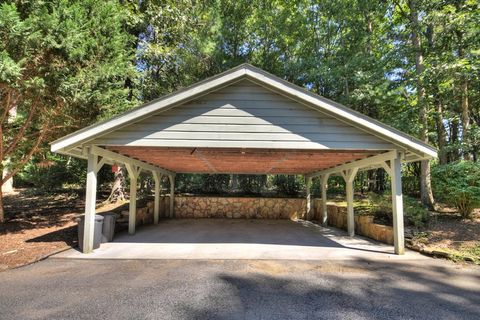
(359, 164)
(309, 209)
(126, 160)
(397, 205)
(386, 166)
(133, 173)
(323, 186)
(171, 178)
(156, 209)
(349, 176)
(100, 164)
(94, 165)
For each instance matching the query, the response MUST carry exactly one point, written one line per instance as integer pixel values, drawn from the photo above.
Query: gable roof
(418, 148)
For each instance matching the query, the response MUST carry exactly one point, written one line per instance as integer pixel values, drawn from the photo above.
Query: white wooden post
(349, 176)
(323, 186)
(156, 211)
(90, 200)
(308, 185)
(133, 173)
(172, 194)
(397, 205)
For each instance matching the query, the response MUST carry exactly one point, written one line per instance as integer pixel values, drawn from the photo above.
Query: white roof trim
(263, 78)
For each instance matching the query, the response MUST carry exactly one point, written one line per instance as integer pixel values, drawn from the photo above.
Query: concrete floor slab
(206, 239)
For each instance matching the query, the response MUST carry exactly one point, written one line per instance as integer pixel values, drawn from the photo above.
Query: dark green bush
(410, 181)
(288, 184)
(215, 183)
(202, 183)
(380, 203)
(188, 183)
(54, 171)
(336, 185)
(458, 184)
(415, 214)
(252, 184)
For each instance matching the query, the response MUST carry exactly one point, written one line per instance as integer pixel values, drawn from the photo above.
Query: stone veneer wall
(364, 225)
(225, 207)
(239, 207)
(144, 215)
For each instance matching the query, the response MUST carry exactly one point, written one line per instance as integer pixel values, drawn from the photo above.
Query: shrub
(215, 183)
(288, 184)
(52, 172)
(458, 184)
(413, 211)
(188, 183)
(336, 185)
(380, 203)
(202, 183)
(252, 184)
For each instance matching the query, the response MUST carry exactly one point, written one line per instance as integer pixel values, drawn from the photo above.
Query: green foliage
(173, 43)
(252, 184)
(414, 212)
(336, 185)
(202, 183)
(381, 203)
(458, 184)
(188, 183)
(410, 183)
(63, 65)
(52, 172)
(288, 184)
(215, 183)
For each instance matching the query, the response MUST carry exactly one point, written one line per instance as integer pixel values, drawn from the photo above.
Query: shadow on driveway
(240, 289)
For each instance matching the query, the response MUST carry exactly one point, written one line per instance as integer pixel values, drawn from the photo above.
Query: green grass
(466, 252)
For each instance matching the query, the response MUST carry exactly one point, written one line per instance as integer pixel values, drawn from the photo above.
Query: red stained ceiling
(241, 161)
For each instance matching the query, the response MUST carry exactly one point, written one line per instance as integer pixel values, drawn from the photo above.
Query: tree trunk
(233, 182)
(464, 110)
(371, 180)
(380, 180)
(118, 188)
(425, 183)
(441, 134)
(465, 116)
(2, 213)
(454, 139)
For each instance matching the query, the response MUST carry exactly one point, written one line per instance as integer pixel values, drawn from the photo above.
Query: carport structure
(244, 121)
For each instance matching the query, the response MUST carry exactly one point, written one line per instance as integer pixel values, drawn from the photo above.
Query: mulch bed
(447, 232)
(38, 225)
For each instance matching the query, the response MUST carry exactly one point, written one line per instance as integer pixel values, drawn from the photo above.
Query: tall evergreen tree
(62, 65)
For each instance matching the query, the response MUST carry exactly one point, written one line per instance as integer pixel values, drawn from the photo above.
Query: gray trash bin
(108, 227)
(97, 234)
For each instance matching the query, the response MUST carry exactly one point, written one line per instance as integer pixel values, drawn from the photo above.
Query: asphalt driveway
(240, 289)
(229, 269)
